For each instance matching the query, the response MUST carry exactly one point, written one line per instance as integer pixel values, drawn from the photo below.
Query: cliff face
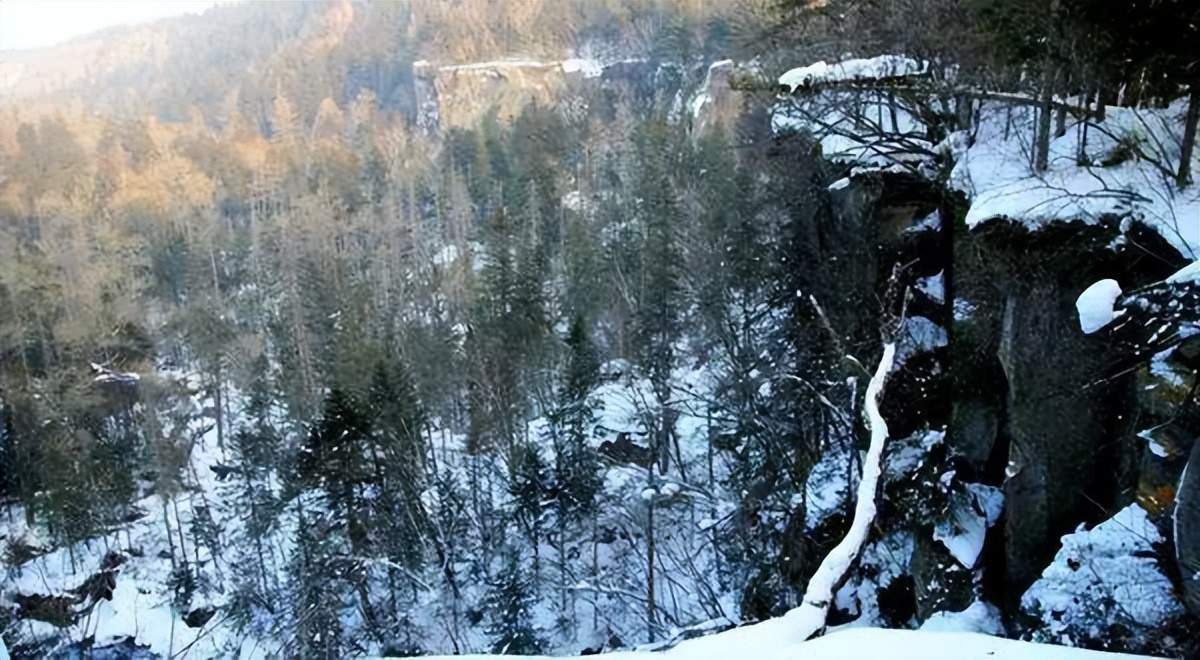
(1030, 404)
(455, 95)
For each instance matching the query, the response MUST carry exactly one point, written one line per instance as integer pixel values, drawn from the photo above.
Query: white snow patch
(963, 309)
(979, 617)
(1189, 274)
(874, 68)
(1095, 305)
(588, 67)
(1113, 570)
(971, 514)
(840, 184)
(933, 286)
(1157, 449)
(446, 255)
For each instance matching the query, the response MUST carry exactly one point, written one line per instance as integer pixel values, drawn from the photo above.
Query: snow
(977, 618)
(875, 68)
(933, 286)
(1131, 153)
(590, 68)
(772, 640)
(1125, 172)
(3, 650)
(1095, 305)
(573, 201)
(906, 456)
(1112, 568)
(826, 488)
(870, 128)
(971, 514)
(864, 127)
(446, 256)
(963, 309)
(840, 184)
(882, 562)
(1189, 274)
(1157, 449)
(918, 335)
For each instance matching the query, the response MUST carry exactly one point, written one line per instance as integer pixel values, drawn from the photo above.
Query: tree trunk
(1188, 146)
(1041, 151)
(809, 618)
(651, 614)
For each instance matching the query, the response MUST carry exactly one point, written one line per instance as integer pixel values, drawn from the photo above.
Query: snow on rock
(882, 562)
(874, 68)
(1119, 177)
(906, 456)
(1103, 577)
(869, 128)
(919, 334)
(587, 67)
(1095, 305)
(971, 514)
(933, 286)
(1189, 274)
(977, 618)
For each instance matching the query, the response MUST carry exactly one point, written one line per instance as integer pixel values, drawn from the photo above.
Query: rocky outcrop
(1187, 532)
(1033, 405)
(455, 95)
(719, 105)
(1064, 427)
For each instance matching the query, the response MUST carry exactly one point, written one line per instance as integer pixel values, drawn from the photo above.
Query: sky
(34, 23)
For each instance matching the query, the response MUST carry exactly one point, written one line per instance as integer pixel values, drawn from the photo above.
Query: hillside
(522, 327)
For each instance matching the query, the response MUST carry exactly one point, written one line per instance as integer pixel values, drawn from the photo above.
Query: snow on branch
(809, 618)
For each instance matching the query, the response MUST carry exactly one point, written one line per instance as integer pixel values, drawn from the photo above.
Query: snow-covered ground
(1126, 172)
(772, 640)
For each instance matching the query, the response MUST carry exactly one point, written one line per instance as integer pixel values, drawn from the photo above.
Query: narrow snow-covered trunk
(809, 618)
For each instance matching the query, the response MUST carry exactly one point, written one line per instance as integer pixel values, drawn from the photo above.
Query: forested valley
(407, 327)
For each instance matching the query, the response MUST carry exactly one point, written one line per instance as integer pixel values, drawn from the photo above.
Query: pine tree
(660, 294)
(316, 581)
(333, 459)
(509, 604)
(576, 467)
(528, 485)
(250, 493)
(398, 455)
